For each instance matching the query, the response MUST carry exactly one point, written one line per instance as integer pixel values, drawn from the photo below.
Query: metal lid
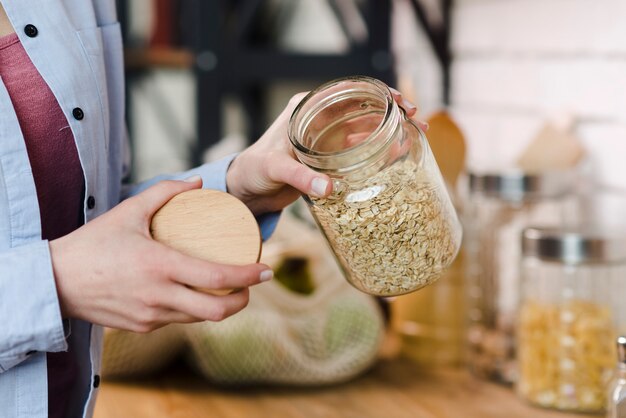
(574, 246)
(518, 185)
(621, 349)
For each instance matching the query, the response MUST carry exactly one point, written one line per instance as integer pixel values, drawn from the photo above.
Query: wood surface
(395, 388)
(210, 225)
(157, 57)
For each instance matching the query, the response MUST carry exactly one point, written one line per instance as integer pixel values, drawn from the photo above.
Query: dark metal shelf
(228, 57)
(258, 66)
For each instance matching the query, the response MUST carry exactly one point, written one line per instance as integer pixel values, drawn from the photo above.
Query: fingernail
(425, 125)
(192, 179)
(266, 275)
(319, 186)
(408, 105)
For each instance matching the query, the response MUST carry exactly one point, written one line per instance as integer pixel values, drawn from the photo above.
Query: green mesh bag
(127, 354)
(325, 332)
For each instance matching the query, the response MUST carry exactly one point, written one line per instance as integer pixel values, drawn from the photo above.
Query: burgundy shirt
(57, 173)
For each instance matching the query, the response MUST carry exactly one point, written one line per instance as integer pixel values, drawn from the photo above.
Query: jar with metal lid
(571, 312)
(389, 219)
(497, 208)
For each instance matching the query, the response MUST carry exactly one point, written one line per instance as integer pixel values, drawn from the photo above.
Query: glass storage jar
(389, 220)
(497, 208)
(571, 312)
(616, 393)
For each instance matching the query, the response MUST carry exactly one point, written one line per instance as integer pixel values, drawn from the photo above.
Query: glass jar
(389, 219)
(571, 312)
(616, 394)
(498, 207)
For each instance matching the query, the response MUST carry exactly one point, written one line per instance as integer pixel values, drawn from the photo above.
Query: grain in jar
(570, 315)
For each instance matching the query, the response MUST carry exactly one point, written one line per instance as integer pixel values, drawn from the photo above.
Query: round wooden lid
(210, 225)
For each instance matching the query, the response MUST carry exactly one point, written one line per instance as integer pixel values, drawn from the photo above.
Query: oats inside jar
(392, 233)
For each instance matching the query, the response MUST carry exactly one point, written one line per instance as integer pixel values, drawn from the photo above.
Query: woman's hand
(267, 177)
(111, 272)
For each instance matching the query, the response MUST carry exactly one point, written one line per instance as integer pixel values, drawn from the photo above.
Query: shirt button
(78, 113)
(91, 202)
(96, 381)
(31, 31)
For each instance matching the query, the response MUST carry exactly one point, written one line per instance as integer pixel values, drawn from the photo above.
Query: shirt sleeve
(213, 177)
(30, 315)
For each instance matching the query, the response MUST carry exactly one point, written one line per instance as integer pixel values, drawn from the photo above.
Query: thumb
(153, 198)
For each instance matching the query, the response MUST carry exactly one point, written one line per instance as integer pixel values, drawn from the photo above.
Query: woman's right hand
(111, 272)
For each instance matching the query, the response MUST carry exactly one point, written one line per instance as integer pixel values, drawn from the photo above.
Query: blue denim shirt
(78, 51)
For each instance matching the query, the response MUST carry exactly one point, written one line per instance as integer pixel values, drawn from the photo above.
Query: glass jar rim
(293, 128)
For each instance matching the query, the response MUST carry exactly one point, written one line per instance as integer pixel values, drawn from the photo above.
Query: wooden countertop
(394, 388)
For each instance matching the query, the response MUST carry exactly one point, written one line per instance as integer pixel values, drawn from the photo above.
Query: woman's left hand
(267, 177)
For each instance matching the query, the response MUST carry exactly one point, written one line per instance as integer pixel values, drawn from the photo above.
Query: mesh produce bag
(325, 334)
(128, 354)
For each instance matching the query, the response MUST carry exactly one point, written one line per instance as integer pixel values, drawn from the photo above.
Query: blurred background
(526, 101)
(502, 68)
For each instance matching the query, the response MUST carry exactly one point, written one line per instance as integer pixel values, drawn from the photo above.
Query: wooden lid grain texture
(210, 225)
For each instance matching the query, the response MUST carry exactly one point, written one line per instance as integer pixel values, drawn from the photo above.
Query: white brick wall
(416, 62)
(540, 26)
(518, 62)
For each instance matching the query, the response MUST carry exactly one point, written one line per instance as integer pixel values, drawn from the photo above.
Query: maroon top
(57, 173)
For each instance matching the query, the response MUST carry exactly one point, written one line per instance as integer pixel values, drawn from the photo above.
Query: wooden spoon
(210, 225)
(448, 145)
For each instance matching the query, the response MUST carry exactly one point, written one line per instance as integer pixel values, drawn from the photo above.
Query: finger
(365, 123)
(409, 108)
(396, 94)
(355, 139)
(291, 105)
(399, 149)
(289, 171)
(195, 304)
(177, 317)
(153, 198)
(282, 119)
(213, 276)
(295, 100)
(163, 317)
(422, 125)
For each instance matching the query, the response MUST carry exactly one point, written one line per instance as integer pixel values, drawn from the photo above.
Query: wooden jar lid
(210, 225)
